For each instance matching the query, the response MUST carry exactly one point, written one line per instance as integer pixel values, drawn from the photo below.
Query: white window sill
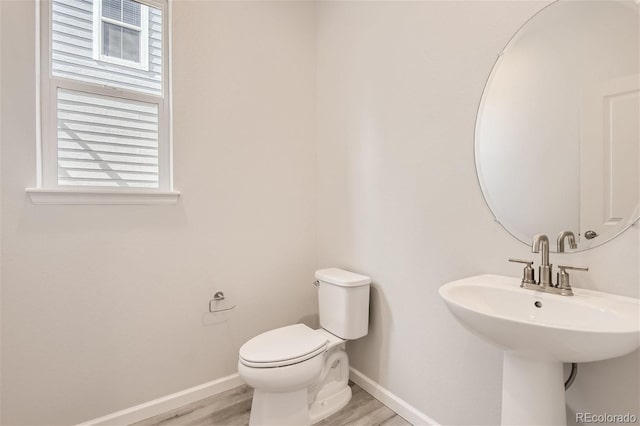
(99, 196)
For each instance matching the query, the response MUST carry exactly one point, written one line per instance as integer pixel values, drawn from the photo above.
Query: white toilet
(300, 375)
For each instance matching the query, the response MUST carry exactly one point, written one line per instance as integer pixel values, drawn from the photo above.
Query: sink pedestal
(537, 331)
(532, 391)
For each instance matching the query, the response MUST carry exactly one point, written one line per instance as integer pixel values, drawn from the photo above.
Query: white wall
(399, 84)
(104, 307)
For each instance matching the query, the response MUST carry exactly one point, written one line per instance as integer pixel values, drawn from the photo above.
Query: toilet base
(311, 404)
(292, 408)
(323, 407)
(283, 408)
(303, 393)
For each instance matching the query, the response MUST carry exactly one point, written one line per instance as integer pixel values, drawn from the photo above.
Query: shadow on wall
(370, 354)
(618, 376)
(224, 336)
(312, 321)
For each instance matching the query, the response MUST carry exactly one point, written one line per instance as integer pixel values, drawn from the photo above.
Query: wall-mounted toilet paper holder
(218, 297)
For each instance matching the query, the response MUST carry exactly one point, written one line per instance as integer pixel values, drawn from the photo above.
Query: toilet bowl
(282, 360)
(300, 375)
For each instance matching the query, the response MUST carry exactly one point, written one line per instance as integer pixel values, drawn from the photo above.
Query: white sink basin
(589, 326)
(538, 331)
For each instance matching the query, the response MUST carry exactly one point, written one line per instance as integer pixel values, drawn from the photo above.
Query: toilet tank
(343, 299)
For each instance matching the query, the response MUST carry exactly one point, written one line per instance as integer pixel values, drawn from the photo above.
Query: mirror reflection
(558, 133)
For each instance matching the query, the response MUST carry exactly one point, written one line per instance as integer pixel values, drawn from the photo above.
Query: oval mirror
(557, 133)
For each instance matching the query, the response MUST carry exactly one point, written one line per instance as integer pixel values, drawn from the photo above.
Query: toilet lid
(282, 346)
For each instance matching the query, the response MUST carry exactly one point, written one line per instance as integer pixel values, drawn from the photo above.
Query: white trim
(38, 108)
(160, 405)
(100, 196)
(167, 64)
(48, 190)
(47, 167)
(125, 24)
(401, 407)
(96, 36)
(94, 88)
(175, 400)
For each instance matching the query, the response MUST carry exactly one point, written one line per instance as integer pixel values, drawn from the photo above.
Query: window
(104, 96)
(121, 29)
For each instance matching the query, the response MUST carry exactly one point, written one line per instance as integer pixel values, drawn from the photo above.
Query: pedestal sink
(538, 332)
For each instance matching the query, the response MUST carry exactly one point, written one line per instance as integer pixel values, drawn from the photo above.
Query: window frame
(48, 190)
(98, 19)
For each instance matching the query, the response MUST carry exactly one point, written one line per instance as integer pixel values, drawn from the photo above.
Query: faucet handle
(563, 278)
(528, 275)
(528, 262)
(573, 268)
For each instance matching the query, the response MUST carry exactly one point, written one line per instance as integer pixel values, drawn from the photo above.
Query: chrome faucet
(571, 238)
(544, 283)
(545, 269)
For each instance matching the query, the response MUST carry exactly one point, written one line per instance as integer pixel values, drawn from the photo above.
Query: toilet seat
(283, 346)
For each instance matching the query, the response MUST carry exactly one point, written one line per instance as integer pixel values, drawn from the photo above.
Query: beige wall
(399, 84)
(104, 307)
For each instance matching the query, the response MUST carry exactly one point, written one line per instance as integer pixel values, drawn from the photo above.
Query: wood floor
(232, 408)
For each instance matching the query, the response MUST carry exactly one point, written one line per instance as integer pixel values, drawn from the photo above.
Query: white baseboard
(205, 390)
(166, 403)
(401, 407)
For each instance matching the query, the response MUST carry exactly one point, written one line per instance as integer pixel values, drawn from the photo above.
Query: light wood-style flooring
(232, 408)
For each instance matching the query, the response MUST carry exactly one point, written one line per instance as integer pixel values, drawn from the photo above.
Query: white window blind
(106, 141)
(105, 117)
